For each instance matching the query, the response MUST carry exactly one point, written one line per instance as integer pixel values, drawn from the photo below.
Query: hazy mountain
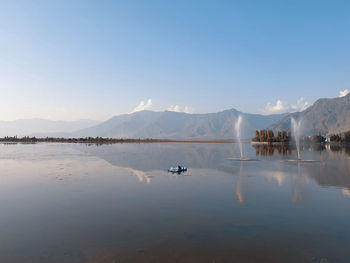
(41, 127)
(179, 125)
(325, 115)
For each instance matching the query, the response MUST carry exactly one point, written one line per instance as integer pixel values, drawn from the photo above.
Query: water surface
(118, 203)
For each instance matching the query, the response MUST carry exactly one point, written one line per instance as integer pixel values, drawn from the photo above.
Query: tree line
(94, 140)
(340, 137)
(269, 136)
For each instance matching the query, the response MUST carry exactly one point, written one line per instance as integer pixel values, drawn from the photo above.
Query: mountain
(179, 125)
(41, 127)
(327, 116)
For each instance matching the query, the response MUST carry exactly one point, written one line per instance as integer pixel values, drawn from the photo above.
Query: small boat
(177, 169)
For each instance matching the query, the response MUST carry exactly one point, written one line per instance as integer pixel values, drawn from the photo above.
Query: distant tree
(335, 138)
(257, 136)
(270, 136)
(318, 138)
(347, 137)
(279, 135)
(284, 136)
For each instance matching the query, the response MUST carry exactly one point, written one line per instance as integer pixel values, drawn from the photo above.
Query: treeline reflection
(283, 149)
(271, 150)
(340, 149)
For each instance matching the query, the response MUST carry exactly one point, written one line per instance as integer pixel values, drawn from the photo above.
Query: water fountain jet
(238, 134)
(238, 124)
(296, 128)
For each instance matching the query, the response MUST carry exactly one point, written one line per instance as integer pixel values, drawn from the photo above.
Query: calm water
(117, 203)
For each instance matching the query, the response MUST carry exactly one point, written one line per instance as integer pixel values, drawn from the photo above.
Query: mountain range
(179, 125)
(42, 127)
(326, 116)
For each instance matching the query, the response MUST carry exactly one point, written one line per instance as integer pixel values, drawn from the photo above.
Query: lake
(117, 203)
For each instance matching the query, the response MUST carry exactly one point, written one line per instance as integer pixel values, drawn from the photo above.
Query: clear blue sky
(94, 59)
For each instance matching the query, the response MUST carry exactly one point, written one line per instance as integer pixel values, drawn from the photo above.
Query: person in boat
(179, 168)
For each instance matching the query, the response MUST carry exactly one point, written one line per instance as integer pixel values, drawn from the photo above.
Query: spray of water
(238, 133)
(296, 129)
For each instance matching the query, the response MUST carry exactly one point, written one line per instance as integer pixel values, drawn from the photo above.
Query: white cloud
(281, 107)
(143, 106)
(301, 105)
(343, 93)
(147, 105)
(277, 108)
(176, 108)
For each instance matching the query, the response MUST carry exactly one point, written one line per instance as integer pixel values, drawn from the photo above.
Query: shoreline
(99, 140)
(270, 143)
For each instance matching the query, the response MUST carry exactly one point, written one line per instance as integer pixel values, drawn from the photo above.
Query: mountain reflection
(121, 194)
(333, 168)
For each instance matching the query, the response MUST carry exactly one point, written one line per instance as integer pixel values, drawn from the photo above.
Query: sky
(71, 59)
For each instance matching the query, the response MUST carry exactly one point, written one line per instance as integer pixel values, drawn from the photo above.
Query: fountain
(296, 128)
(238, 124)
(238, 134)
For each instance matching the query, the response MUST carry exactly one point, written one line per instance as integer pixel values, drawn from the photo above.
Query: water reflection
(295, 177)
(317, 147)
(239, 185)
(333, 169)
(270, 150)
(141, 175)
(280, 149)
(300, 188)
(339, 148)
(278, 176)
(118, 203)
(346, 191)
